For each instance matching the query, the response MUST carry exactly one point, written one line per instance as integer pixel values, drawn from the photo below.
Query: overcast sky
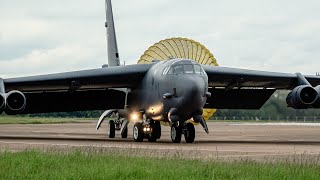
(45, 36)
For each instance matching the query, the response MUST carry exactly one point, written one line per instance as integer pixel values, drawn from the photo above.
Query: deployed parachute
(180, 48)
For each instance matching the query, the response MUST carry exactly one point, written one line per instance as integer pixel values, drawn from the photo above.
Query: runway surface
(226, 140)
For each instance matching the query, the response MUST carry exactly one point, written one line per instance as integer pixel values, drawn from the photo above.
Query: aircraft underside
(146, 128)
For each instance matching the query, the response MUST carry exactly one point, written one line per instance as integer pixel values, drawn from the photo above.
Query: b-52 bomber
(174, 91)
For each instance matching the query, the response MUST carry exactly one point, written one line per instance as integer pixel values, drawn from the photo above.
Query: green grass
(86, 165)
(34, 120)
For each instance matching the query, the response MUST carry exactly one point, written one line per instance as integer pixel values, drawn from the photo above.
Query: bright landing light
(134, 117)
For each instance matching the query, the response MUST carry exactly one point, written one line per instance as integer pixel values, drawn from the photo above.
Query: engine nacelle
(2, 102)
(317, 103)
(302, 97)
(15, 102)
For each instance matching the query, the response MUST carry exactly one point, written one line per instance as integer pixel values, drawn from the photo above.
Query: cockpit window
(178, 69)
(198, 69)
(170, 71)
(165, 71)
(188, 69)
(184, 69)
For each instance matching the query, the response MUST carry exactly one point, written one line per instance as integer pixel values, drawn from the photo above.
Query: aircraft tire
(138, 133)
(156, 131)
(111, 129)
(176, 133)
(124, 134)
(190, 133)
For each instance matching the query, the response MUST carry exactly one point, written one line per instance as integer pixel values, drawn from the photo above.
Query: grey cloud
(266, 35)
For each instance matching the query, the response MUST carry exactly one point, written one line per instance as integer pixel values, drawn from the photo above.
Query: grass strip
(84, 165)
(38, 120)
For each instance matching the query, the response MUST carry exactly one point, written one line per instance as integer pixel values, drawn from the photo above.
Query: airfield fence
(271, 119)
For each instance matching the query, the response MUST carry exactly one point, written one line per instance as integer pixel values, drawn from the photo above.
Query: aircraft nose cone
(195, 88)
(193, 96)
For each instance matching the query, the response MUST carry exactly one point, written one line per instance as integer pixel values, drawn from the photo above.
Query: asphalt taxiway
(226, 140)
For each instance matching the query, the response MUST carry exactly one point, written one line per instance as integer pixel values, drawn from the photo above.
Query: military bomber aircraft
(174, 91)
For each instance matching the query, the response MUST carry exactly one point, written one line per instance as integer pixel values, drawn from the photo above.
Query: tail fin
(113, 54)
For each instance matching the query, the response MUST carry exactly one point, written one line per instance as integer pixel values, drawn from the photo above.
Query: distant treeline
(275, 108)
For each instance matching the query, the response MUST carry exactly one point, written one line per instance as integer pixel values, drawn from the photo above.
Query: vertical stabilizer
(113, 54)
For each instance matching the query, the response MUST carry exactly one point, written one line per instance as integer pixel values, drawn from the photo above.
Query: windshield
(184, 69)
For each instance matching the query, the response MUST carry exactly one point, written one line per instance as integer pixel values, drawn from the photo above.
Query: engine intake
(16, 102)
(2, 102)
(302, 97)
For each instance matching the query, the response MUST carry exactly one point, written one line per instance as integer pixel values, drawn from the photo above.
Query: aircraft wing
(233, 88)
(79, 90)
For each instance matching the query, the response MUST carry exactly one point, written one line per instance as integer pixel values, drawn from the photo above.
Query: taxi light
(134, 117)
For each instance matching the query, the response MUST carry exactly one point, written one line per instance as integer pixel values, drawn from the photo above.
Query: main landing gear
(150, 130)
(117, 124)
(187, 130)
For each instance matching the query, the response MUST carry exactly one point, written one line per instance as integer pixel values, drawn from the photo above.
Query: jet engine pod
(302, 97)
(2, 103)
(317, 103)
(180, 48)
(16, 102)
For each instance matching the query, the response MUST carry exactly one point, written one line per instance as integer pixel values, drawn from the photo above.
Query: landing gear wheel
(156, 131)
(124, 134)
(190, 133)
(176, 133)
(111, 129)
(138, 133)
